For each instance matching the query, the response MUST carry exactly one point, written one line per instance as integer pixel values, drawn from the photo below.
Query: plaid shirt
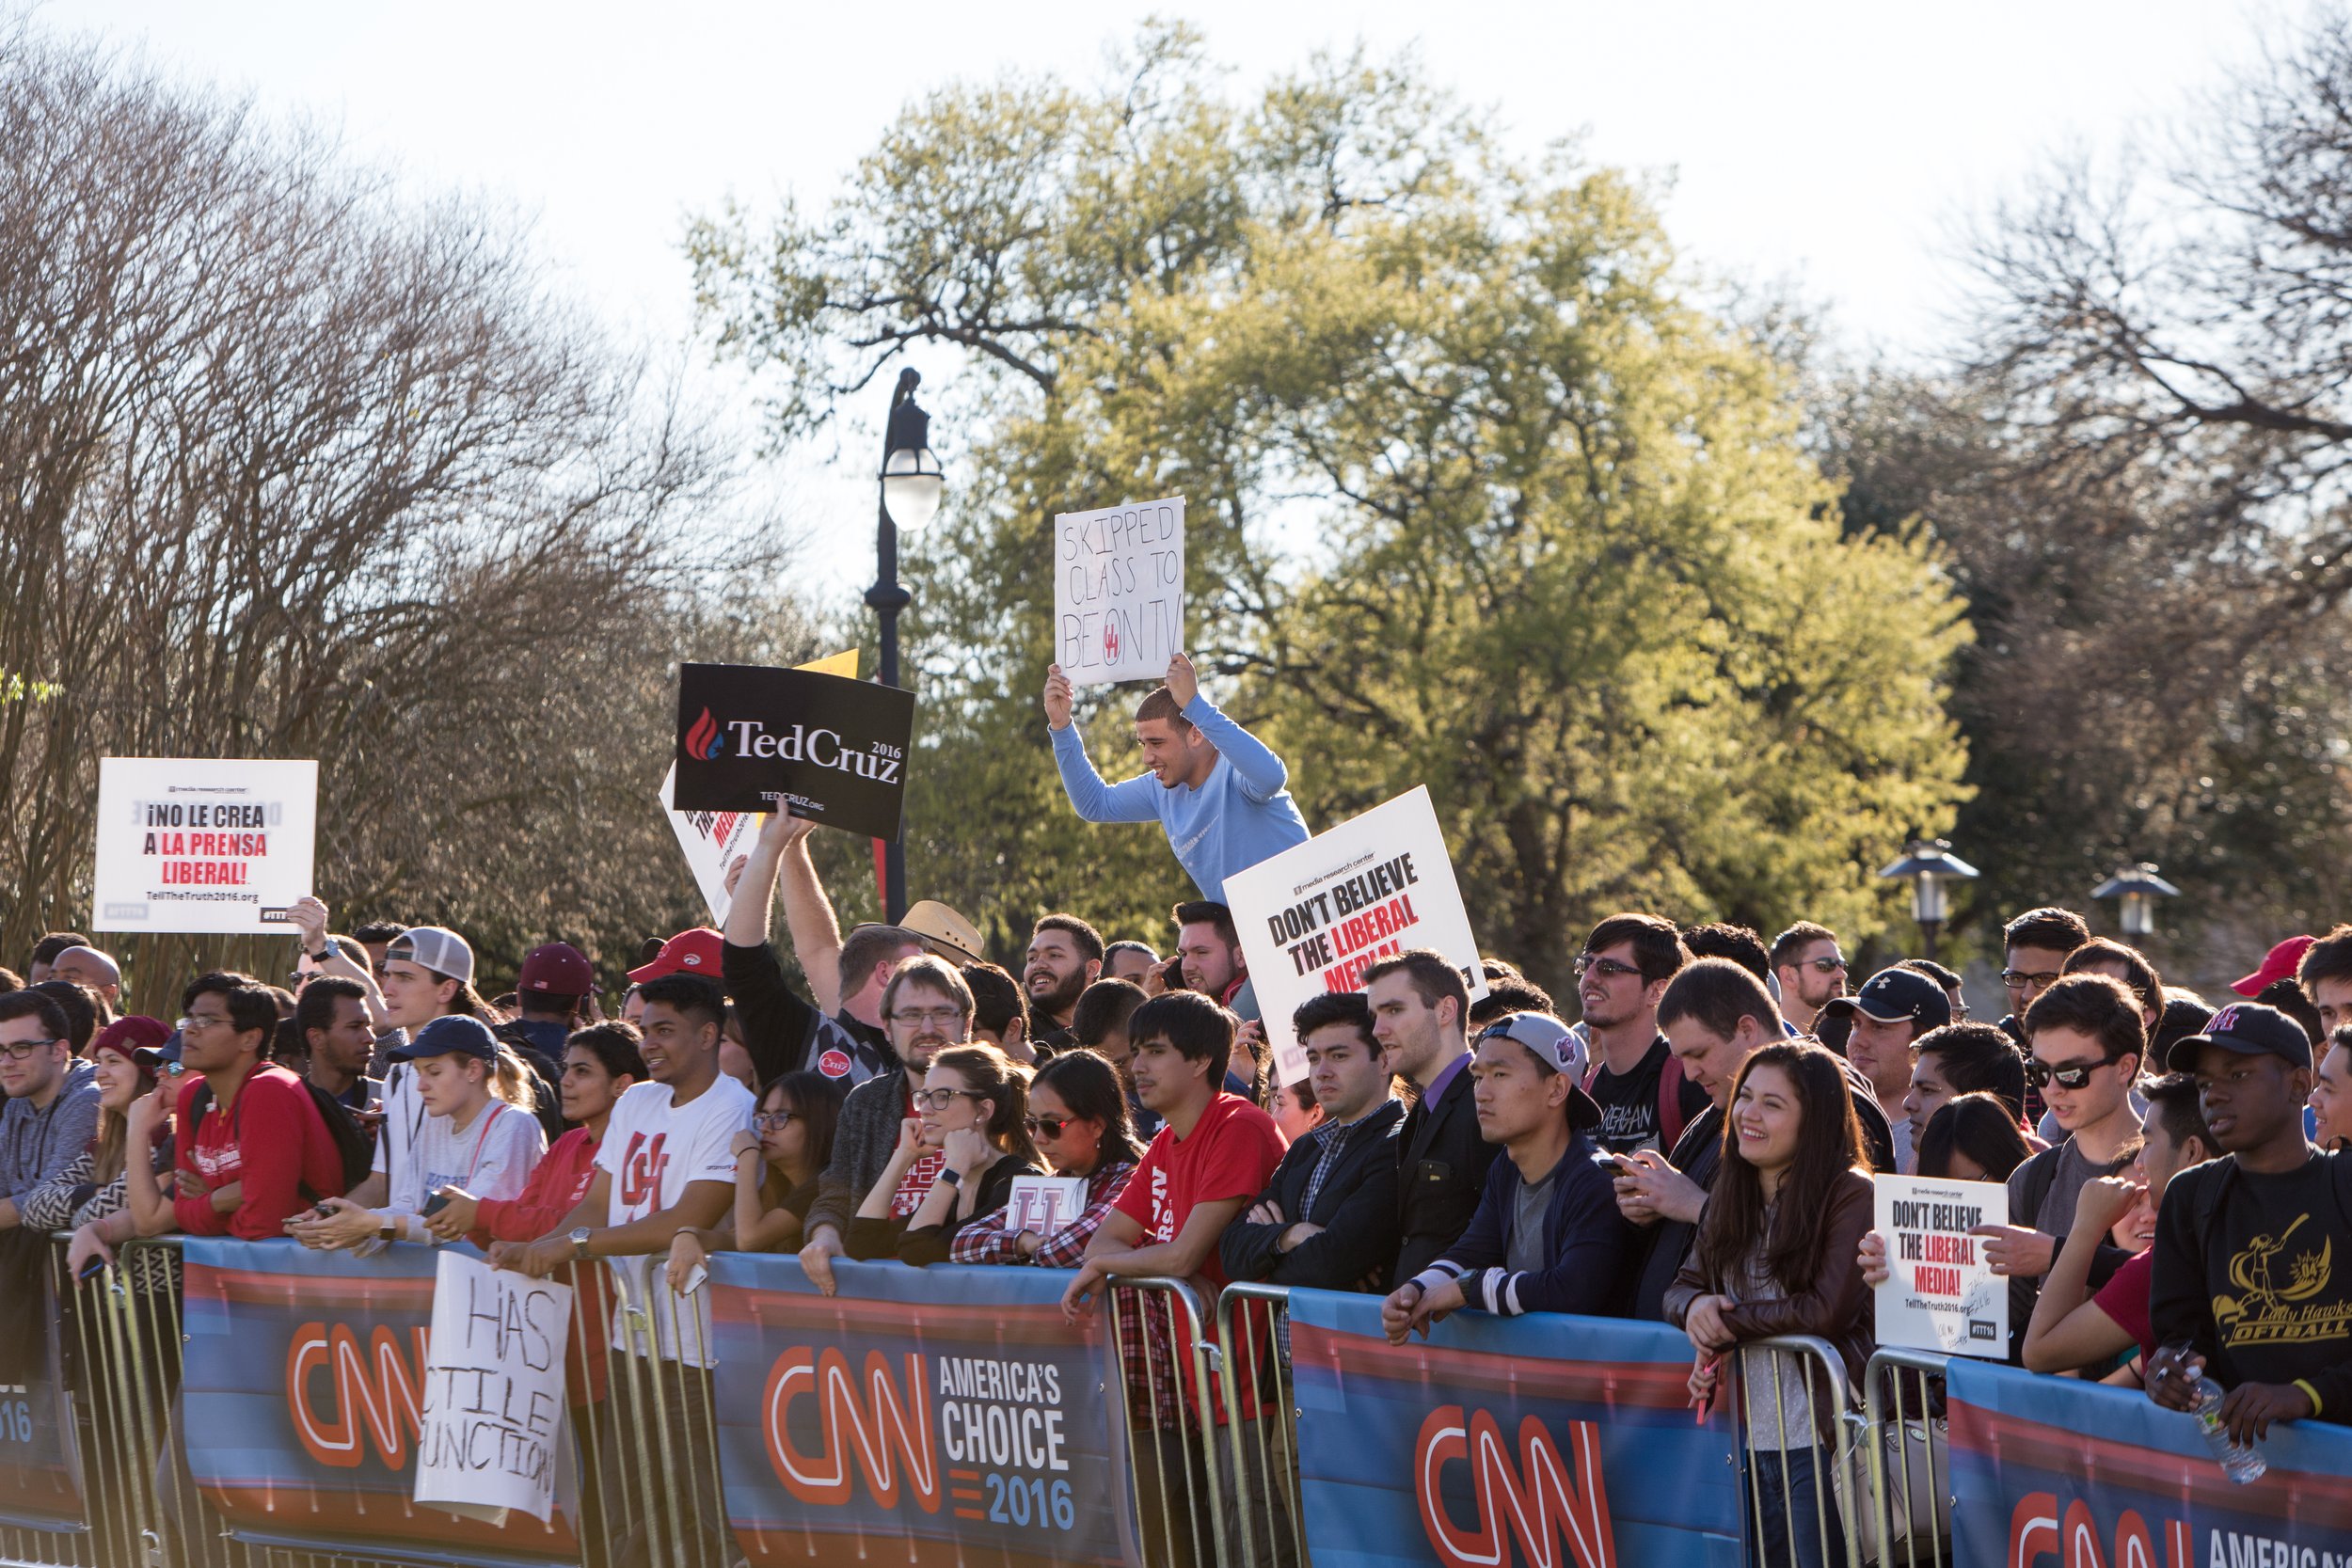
(1332, 1142)
(1158, 1393)
(986, 1240)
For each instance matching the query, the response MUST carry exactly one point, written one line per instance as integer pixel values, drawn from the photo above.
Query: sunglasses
(2075, 1075)
(1828, 966)
(1608, 968)
(1046, 1127)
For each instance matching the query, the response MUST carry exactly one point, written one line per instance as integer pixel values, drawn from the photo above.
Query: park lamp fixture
(1929, 866)
(911, 482)
(2138, 887)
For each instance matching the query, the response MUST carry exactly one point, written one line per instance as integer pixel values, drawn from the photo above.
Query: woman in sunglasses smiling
(971, 1110)
(1080, 1120)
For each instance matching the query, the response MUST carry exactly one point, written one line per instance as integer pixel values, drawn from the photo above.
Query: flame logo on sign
(1110, 643)
(704, 738)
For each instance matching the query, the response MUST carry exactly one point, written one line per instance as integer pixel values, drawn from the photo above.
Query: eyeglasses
(1608, 968)
(928, 1017)
(16, 1050)
(2073, 1076)
(2017, 980)
(194, 1022)
(1828, 966)
(1045, 1127)
(767, 1121)
(939, 1099)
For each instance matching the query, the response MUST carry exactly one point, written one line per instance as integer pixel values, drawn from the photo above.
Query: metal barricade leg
(1260, 1464)
(664, 1431)
(1793, 1392)
(1176, 1455)
(1909, 1465)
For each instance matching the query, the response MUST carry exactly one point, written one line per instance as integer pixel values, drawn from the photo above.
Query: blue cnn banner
(2054, 1473)
(303, 1384)
(1551, 1441)
(921, 1416)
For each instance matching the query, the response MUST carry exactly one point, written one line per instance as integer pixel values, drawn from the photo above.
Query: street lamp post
(2138, 887)
(911, 484)
(1931, 868)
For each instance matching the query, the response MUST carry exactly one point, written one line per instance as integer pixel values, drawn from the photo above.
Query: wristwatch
(578, 1238)
(323, 954)
(953, 1177)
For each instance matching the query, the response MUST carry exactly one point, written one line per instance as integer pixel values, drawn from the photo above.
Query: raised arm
(1136, 800)
(1261, 773)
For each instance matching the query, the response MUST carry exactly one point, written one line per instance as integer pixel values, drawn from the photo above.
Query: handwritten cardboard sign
(1119, 591)
(489, 1435)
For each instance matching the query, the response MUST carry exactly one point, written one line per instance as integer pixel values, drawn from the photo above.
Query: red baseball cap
(559, 969)
(694, 952)
(2277, 964)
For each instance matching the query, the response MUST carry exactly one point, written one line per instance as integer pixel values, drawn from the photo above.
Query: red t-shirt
(2124, 1298)
(271, 1141)
(1230, 1152)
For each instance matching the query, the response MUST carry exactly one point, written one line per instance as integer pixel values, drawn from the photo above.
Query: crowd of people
(1694, 1148)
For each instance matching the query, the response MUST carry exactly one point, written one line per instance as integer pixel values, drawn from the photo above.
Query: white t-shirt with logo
(652, 1149)
(492, 1158)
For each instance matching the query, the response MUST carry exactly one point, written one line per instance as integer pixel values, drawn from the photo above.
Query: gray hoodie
(36, 1143)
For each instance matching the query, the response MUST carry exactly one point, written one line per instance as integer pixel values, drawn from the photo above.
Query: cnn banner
(2050, 1472)
(303, 1395)
(920, 1416)
(1551, 1441)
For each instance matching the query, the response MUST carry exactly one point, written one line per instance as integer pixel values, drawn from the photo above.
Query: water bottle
(2241, 1462)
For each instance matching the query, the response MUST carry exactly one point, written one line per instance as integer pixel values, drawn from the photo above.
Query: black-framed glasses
(939, 1099)
(2018, 979)
(17, 1051)
(1046, 1127)
(2073, 1076)
(769, 1121)
(1608, 968)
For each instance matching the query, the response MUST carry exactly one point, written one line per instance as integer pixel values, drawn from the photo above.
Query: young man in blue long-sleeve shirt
(1221, 795)
(1547, 1237)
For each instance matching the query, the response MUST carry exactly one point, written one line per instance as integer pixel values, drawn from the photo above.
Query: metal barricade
(1266, 1513)
(1158, 1327)
(1795, 1398)
(1910, 1495)
(662, 1450)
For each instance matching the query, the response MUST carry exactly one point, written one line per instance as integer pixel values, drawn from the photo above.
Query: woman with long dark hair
(973, 1108)
(777, 1167)
(1078, 1119)
(1775, 1255)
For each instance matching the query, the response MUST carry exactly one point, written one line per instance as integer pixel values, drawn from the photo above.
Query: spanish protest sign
(1941, 1294)
(1119, 591)
(1317, 915)
(754, 738)
(202, 844)
(489, 1432)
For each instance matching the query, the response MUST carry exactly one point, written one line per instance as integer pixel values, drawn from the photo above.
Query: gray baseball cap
(433, 948)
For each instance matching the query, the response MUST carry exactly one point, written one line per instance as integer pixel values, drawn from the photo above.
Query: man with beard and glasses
(1065, 956)
(927, 1008)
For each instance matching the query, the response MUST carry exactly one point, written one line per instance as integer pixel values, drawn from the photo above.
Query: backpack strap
(1670, 1119)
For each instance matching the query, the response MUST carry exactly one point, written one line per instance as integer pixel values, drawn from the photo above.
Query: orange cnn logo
(373, 1392)
(884, 1423)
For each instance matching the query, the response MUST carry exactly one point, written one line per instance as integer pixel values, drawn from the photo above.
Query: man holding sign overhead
(1220, 793)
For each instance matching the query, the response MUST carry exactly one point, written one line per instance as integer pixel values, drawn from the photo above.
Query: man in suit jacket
(1419, 1002)
(1328, 1217)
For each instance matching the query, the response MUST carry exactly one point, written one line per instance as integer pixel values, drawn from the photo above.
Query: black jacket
(1356, 1209)
(1442, 1164)
(782, 1031)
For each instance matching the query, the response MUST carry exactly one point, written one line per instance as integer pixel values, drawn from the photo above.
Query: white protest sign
(1940, 1293)
(715, 843)
(488, 1437)
(1119, 591)
(202, 844)
(1317, 915)
(1044, 1204)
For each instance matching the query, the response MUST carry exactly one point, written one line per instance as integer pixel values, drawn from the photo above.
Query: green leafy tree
(1480, 498)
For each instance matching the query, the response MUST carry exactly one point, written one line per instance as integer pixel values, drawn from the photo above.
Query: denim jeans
(1797, 1509)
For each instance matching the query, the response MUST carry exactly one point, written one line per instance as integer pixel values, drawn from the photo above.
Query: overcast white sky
(1832, 145)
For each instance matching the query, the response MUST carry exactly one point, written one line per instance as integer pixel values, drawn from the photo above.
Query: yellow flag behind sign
(843, 664)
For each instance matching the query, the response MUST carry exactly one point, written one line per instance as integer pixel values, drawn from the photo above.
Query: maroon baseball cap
(558, 969)
(2280, 963)
(694, 952)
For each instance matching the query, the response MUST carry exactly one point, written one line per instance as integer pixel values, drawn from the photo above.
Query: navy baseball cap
(1899, 995)
(455, 1033)
(2249, 1029)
